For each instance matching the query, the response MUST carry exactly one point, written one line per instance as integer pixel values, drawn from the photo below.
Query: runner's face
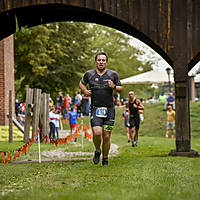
(101, 62)
(131, 96)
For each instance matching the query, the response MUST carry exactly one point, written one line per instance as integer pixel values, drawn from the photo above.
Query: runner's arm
(118, 88)
(84, 89)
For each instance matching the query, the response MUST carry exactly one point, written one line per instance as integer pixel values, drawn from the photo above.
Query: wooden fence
(37, 114)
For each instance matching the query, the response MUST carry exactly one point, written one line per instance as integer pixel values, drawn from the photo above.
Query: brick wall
(6, 76)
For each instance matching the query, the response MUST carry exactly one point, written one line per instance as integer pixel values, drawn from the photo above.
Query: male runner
(102, 83)
(134, 106)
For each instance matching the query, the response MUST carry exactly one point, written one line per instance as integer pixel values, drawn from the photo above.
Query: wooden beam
(10, 116)
(29, 103)
(36, 110)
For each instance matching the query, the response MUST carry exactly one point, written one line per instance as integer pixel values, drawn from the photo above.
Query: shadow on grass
(158, 156)
(72, 160)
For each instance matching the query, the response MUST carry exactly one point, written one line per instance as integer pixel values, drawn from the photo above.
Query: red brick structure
(6, 76)
(192, 89)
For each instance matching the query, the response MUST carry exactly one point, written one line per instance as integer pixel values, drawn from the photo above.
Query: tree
(54, 57)
(51, 57)
(122, 55)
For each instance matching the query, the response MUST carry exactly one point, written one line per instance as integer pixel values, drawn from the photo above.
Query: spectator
(85, 105)
(59, 100)
(69, 99)
(52, 118)
(170, 101)
(72, 117)
(124, 100)
(57, 121)
(65, 107)
(152, 100)
(17, 105)
(51, 103)
(125, 115)
(170, 121)
(77, 102)
(162, 97)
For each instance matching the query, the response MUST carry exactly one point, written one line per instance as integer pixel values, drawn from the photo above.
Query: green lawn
(144, 172)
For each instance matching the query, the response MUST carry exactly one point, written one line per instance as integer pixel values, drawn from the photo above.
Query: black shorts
(103, 121)
(134, 122)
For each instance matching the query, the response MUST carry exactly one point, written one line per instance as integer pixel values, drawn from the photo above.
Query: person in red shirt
(65, 107)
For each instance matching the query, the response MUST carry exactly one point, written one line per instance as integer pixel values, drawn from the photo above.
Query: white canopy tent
(149, 78)
(197, 78)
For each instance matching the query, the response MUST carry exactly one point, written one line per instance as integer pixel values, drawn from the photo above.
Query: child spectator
(170, 121)
(72, 117)
(126, 123)
(57, 120)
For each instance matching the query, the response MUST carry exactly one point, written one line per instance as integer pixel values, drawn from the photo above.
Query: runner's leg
(106, 143)
(97, 133)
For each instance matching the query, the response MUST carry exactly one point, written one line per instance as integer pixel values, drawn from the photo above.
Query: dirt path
(59, 155)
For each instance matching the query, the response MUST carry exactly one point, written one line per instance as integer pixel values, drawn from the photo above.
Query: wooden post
(29, 103)
(41, 125)
(47, 114)
(183, 137)
(36, 110)
(181, 57)
(10, 116)
(43, 116)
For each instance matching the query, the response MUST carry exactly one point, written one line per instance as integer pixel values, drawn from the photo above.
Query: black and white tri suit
(102, 96)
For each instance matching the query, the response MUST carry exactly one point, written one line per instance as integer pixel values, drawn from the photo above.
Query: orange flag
(66, 140)
(11, 156)
(8, 157)
(76, 134)
(84, 126)
(15, 156)
(3, 157)
(70, 139)
(88, 135)
(56, 142)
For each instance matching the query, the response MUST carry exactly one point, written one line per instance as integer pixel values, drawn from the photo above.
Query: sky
(150, 55)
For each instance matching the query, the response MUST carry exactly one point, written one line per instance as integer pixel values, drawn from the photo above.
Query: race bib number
(102, 112)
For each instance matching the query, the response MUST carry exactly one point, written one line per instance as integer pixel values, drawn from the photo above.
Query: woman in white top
(52, 121)
(57, 120)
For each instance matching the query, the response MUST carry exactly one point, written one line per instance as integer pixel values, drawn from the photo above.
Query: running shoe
(105, 162)
(136, 145)
(96, 158)
(128, 141)
(133, 144)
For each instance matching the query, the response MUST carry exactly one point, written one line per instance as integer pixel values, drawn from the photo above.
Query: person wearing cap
(134, 106)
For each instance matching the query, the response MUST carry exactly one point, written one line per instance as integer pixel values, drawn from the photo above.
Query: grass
(145, 172)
